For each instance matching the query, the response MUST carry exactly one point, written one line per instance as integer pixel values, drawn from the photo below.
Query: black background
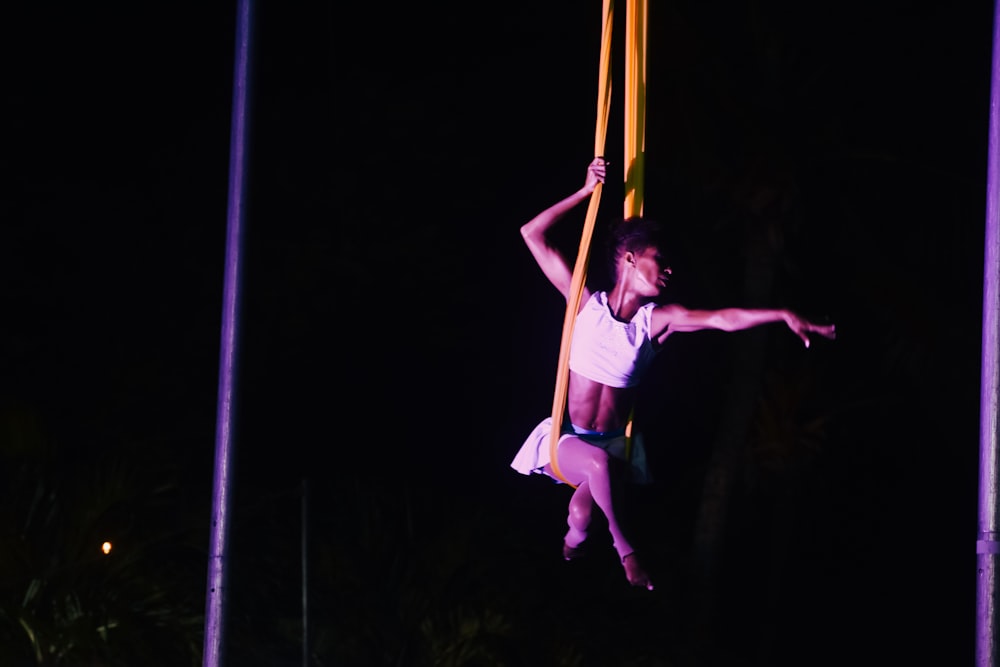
(396, 336)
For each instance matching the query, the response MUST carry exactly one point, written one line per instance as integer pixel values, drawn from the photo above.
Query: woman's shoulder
(663, 315)
(591, 298)
(667, 309)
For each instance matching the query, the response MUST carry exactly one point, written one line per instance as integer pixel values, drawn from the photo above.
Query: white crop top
(607, 350)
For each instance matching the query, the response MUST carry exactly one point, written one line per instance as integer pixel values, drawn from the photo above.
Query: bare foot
(572, 553)
(634, 572)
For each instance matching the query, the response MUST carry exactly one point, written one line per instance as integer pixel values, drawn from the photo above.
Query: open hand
(802, 328)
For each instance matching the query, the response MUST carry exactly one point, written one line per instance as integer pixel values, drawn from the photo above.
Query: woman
(616, 335)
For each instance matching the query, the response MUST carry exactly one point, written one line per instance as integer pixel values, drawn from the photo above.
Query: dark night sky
(392, 319)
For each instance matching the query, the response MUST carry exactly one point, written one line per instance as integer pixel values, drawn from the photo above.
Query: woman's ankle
(635, 573)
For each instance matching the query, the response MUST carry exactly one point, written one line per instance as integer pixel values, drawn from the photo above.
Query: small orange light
(106, 547)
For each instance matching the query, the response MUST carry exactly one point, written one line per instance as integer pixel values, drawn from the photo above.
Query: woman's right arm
(553, 263)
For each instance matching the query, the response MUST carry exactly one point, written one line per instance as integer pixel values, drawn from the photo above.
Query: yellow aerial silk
(635, 84)
(635, 106)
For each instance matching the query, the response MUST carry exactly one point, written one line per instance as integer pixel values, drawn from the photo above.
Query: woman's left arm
(670, 318)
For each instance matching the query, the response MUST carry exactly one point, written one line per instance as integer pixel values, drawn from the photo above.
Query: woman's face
(652, 271)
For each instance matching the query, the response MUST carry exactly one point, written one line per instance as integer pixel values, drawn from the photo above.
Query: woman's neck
(624, 304)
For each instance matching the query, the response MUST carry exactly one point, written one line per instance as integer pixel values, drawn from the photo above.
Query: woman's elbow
(725, 320)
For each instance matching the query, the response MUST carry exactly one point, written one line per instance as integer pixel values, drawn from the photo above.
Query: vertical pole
(215, 615)
(987, 545)
(305, 573)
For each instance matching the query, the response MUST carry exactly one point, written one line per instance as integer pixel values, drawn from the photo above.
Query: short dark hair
(634, 235)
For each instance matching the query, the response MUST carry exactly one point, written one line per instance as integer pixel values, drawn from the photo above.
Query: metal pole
(987, 545)
(225, 412)
(305, 573)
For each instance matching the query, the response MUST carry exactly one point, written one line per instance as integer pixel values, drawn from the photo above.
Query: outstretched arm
(670, 318)
(554, 264)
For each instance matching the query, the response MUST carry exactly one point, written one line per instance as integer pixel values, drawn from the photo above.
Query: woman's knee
(599, 462)
(580, 512)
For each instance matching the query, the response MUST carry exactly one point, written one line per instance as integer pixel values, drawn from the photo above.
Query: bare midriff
(597, 407)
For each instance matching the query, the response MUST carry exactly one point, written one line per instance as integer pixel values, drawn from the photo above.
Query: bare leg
(581, 506)
(588, 467)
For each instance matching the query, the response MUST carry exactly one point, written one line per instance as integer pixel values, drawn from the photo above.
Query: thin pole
(225, 412)
(305, 573)
(987, 545)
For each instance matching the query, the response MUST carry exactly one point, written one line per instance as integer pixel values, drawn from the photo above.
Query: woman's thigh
(579, 460)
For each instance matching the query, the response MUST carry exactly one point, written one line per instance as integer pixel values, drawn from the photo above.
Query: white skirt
(533, 455)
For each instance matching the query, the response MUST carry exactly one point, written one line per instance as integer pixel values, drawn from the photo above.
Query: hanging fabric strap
(583, 256)
(635, 150)
(635, 106)
(635, 130)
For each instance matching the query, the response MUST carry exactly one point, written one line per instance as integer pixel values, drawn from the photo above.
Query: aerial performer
(616, 335)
